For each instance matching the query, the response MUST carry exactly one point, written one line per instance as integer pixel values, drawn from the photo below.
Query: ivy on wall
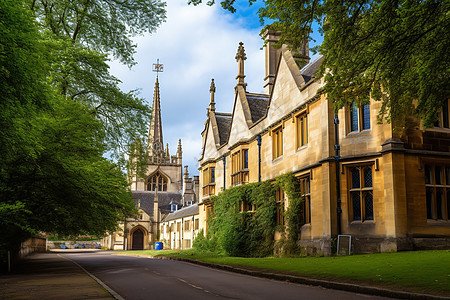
(246, 232)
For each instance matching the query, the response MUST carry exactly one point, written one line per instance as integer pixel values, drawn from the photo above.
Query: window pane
(368, 177)
(439, 208)
(427, 175)
(306, 130)
(356, 200)
(366, 116)
(438, 175)
(354, 118)
(245, 159)
(302, 131)
(429, 203)
(368, 206)
(355, 178)
(213, 174)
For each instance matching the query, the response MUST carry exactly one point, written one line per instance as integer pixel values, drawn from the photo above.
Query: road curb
(106, 287)
(308, 281)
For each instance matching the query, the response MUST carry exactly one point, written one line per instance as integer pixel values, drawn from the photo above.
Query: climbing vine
(244, 219)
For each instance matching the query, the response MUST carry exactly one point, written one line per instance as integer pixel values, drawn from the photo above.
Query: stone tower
(164, 171)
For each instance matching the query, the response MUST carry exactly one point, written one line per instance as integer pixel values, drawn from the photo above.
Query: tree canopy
(394, 51)
(61, 110)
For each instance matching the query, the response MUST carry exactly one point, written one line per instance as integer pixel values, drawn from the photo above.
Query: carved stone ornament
(241, 52)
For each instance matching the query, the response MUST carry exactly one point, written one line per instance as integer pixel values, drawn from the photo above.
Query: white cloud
(195, 44)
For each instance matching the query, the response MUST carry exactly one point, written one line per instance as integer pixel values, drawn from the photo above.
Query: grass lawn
(417, 271)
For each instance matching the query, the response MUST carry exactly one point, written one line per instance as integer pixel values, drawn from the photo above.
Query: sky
(195, 44)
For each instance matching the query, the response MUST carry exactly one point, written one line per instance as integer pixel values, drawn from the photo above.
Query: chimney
(188, 189)
(271, 37)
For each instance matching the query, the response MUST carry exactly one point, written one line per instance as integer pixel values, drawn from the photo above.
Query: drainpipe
(258, 139)
(224, 173)
(338, 181)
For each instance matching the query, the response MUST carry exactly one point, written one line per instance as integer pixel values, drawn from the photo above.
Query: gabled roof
(223, 127)
(182, 213)
(147, 197)
(257, 104)
(309, 71)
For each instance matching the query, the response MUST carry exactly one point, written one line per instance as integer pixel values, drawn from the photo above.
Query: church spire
(155, 137)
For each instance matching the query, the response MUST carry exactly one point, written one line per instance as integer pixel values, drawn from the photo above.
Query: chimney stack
(271, 37)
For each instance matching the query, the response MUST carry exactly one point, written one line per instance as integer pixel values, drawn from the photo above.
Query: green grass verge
(419, 271)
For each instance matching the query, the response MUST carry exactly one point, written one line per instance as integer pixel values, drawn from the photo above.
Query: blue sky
(195, 44)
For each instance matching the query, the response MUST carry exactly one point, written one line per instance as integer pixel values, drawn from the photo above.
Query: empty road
(144, 278)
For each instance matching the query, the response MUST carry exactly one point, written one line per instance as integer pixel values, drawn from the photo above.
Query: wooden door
(138, 240)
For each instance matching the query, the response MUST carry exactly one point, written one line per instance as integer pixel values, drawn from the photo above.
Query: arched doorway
(138, 240)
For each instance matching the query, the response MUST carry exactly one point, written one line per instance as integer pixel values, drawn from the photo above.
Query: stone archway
(137, 242)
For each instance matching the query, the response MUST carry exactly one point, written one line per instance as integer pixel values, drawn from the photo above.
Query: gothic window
(157, 182)
(305, 190)
(437, 183)
(359, 117)
(361, 193)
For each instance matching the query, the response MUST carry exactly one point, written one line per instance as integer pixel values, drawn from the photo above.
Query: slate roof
(182, 213)
(308, 71)
(223, 126)
(258, 105)
(164, 199)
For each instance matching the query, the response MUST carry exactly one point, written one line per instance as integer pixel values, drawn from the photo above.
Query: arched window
(157, 182)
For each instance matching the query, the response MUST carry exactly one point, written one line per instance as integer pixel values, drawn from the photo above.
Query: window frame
(239, 167)
(305, 192)
(443, 121)
(280, 202)
(362, 122)
(162, 186)
(362, 191)
(443, 187)
(209, 180)
(277, 142)
(301, 129)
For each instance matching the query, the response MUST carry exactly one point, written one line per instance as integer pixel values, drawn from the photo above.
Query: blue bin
(158, 246)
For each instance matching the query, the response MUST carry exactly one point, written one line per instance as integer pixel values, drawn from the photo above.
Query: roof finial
(212, 90)
(158, 68)
(240, 57)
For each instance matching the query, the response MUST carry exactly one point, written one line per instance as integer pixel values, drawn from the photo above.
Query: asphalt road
(144, 278)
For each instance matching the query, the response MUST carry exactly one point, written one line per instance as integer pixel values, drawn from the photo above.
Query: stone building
(390, 191)
(160, 192)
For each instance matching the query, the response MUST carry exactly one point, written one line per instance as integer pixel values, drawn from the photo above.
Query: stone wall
(71, 244)
(32, 245)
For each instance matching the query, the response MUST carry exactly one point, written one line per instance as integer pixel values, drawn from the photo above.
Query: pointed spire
(155, 133)
(179, 151)
(240, 57)
(167, 150)
(212, 90)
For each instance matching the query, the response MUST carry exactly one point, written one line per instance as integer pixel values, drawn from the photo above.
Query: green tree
(53, 176)
(82, 35)
(395, 51)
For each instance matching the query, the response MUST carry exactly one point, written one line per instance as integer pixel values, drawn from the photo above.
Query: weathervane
(158, 67)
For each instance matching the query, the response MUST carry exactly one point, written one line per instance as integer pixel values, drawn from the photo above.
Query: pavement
(50, 276)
